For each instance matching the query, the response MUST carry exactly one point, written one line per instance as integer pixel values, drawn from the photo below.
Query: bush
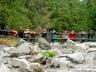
(49, 53)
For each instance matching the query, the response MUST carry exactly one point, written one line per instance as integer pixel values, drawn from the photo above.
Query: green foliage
(49, 53)
(59, 14)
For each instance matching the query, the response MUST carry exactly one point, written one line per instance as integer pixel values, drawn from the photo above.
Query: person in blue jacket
(53, 36)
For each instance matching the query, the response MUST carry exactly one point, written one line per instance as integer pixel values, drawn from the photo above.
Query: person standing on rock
(65, 35)
(45, 34)
(13, 32)
(33, 36)
(90, 35)
(72, 35)
(21, 32)
(6, 31)
(82, 36)
(53, 36)
(27, 33)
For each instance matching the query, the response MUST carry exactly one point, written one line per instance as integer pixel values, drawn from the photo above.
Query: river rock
(20, 41)
(36, 67)
(91, 56)
(33, 67)
(76, 57)
(62, 62)
(24, 48)
(81, 48)
(43, 44)
(15, 62)
(36, 58)
(4, 68)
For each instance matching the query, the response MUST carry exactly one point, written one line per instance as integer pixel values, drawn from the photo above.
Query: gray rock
(55, 45)
(25, 66)
(81, 48)
(33, 67)
(62, 62)
(43, 44)
(15, 62)
(90, 56)
(36, 67)
(36, 58)
(24, 48)
(21, 41)
(4, 68)
(76, 57)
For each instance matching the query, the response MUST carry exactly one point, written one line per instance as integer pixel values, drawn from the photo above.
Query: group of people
(52, 35)
(81, 36)
(7, 31)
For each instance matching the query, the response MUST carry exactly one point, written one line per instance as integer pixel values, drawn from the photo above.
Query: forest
(78, 15)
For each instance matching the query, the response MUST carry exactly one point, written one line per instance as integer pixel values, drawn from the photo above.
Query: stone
(43, 44)
(55, 45)
(81, 48)
(90, 56)
(76, 57)
(24, 48)
(62, 62)
(35, 49)
(36, 58)
(33, 67)
(21, 41)
(15, 62)
(4, 68)
(36, 67)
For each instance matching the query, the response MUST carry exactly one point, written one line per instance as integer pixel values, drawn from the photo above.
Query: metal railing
(58, 39)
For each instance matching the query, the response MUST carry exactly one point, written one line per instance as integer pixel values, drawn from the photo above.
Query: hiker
(33, 36)
(13, 32)
(45, 34)
(82, 36)
(21, 32)
(72, 35)
(27, 33)
(90, 35)
(6, 31)
(53, 36)
(65, 35)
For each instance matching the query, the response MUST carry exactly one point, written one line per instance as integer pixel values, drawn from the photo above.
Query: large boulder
(43, 44)
(81, 48)
(15, 62)
(25, 66)
(34, 67)
(90, 56)
(61, 62)
(77, 47)
(76, 57)
(24, 48)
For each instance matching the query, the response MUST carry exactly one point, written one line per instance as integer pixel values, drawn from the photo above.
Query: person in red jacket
(72, 35)
(13, 32)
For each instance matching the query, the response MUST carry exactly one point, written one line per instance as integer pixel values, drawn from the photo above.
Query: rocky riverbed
(45, 57)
